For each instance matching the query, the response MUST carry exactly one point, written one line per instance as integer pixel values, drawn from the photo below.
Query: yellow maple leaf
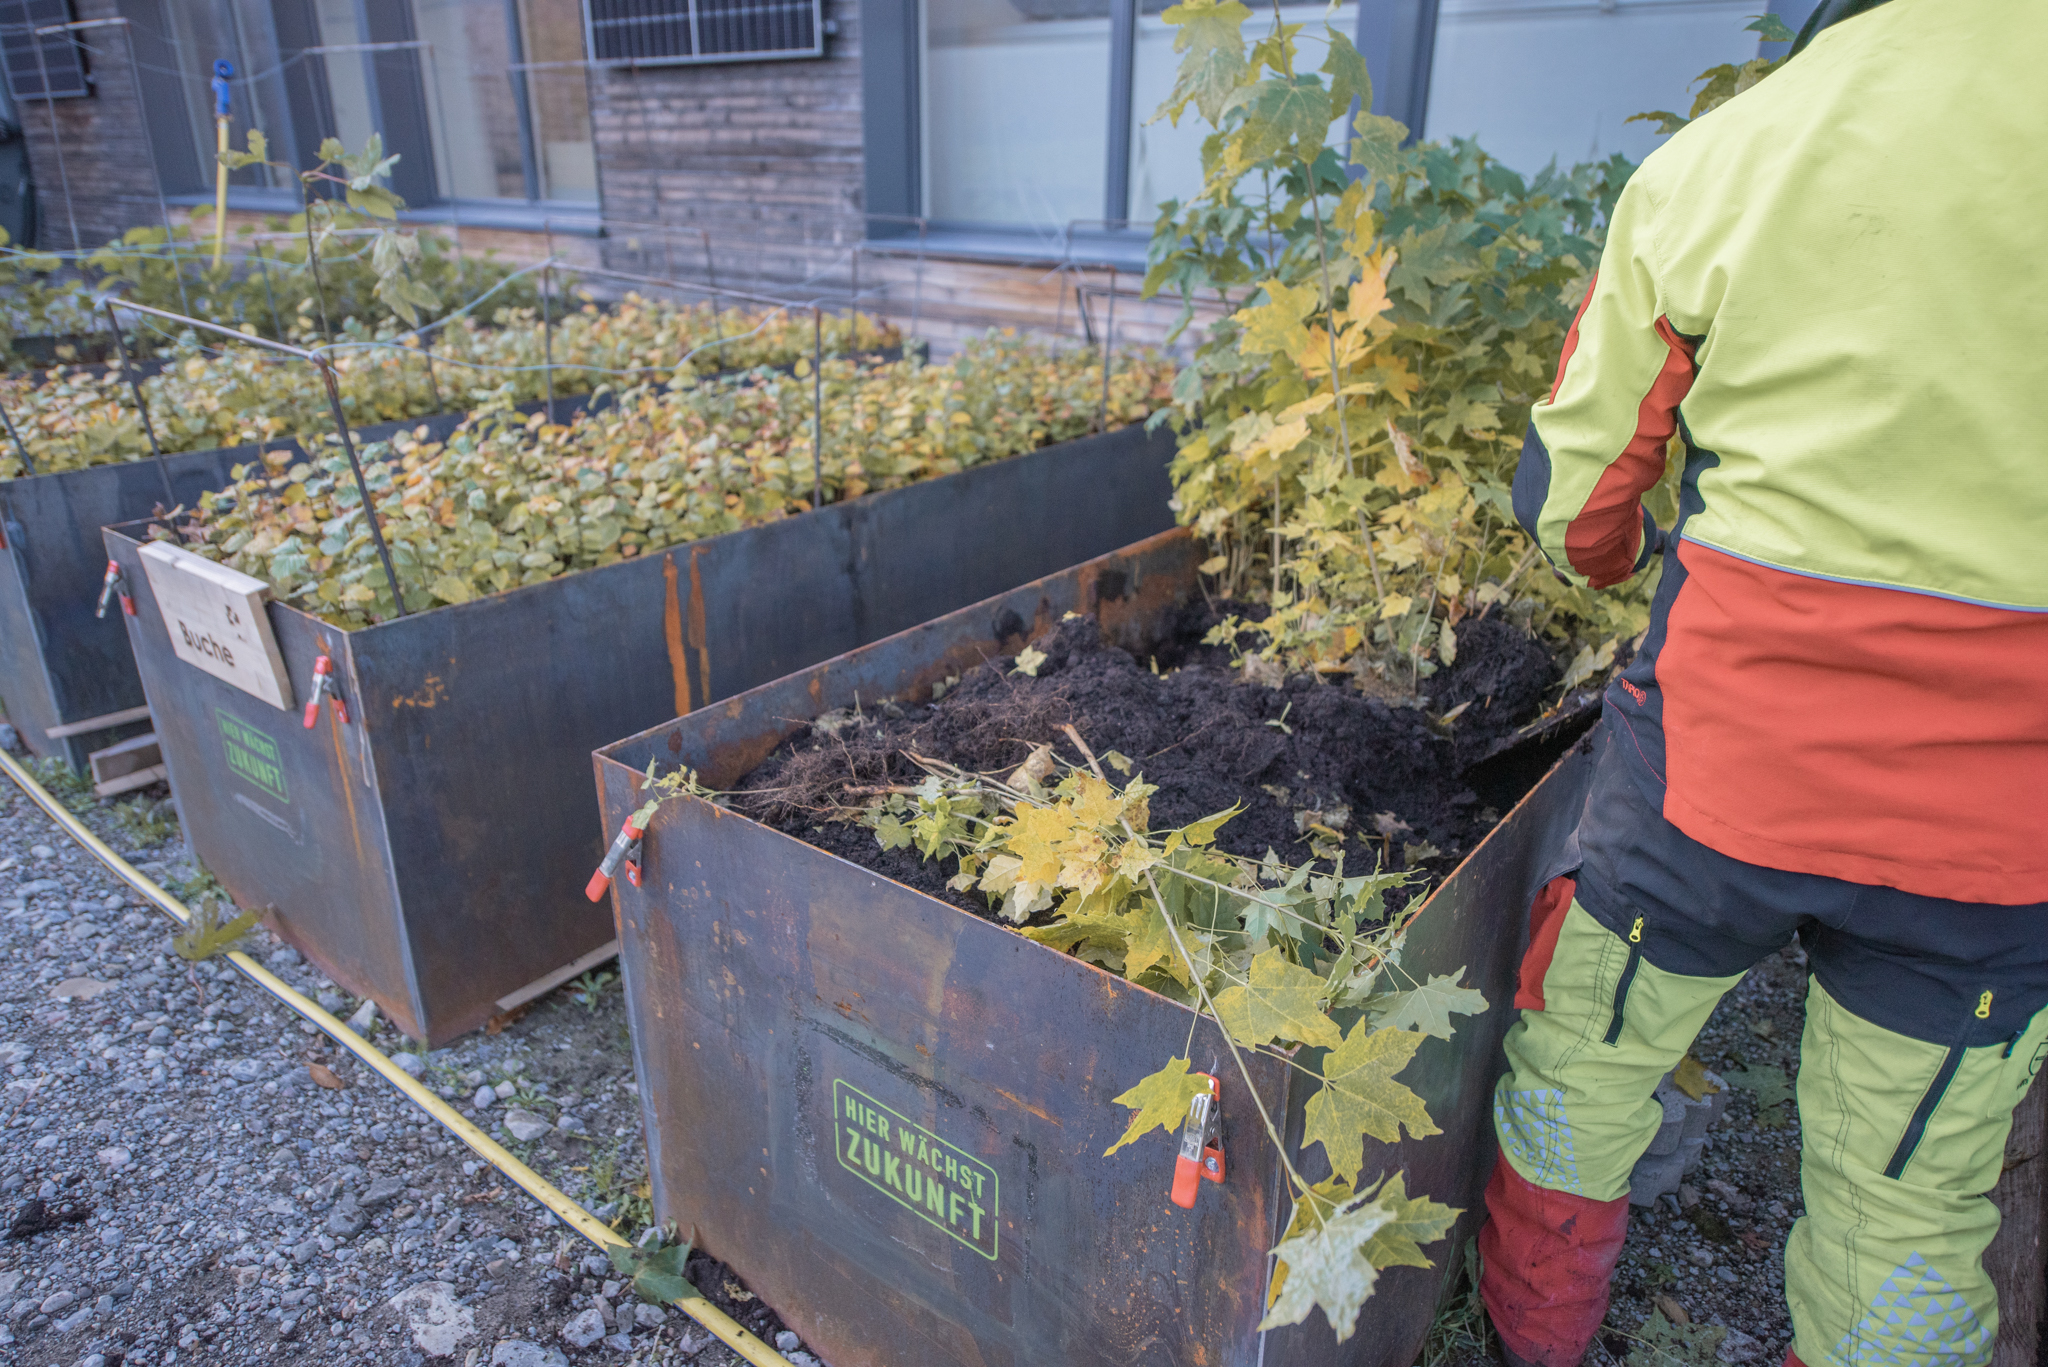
(1161, 1101)
(1281, 1001)
(1359, 1097)
(1274, 327)
(1035, 839)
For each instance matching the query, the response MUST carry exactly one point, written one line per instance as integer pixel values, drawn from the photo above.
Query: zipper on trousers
(1628, 977)
(1916, 1128)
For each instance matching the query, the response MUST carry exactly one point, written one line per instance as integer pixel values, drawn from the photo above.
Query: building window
(49, 67)
(671, 32)
(1018, 101)
(484, 100)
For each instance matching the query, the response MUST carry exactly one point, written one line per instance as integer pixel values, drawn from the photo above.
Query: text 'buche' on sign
(217, 621)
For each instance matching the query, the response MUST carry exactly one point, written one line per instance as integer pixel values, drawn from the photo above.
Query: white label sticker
(217, 621)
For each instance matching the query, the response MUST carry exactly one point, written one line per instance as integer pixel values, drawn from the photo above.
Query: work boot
(1549, 1258)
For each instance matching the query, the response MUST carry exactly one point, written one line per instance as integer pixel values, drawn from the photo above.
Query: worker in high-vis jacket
(1834, 290)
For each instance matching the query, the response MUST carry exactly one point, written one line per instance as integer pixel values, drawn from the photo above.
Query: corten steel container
(58, 662)
(889, 1116)
(431, 853)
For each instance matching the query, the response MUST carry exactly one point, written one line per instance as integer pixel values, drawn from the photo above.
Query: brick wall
(107, 164)
(762, 153)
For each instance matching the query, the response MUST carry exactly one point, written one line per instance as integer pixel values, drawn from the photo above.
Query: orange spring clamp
(625, 849)
(1201, 1145)
(110, 585)
(324, 687)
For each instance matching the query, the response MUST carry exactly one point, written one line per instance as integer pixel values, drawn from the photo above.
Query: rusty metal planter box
(431, 853)
(58, 662)
(809, 1034)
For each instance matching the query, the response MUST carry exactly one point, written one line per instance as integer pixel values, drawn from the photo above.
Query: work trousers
(1924, 1029)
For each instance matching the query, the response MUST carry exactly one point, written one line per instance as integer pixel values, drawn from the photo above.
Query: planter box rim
(123, 529)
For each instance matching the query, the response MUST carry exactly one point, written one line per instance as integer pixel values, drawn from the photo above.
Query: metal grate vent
(63, 57)
(675, 32)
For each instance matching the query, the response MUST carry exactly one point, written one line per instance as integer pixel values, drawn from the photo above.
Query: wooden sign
(216, 620)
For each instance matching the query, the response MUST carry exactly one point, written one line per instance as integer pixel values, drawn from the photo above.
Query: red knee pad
(1546, 919)
(1549, 1259)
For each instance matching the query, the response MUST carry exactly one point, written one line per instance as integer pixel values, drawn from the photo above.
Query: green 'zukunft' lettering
(915, 1168)
(253, 755)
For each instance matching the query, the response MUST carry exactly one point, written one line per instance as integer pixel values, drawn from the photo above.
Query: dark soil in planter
(1387, 776)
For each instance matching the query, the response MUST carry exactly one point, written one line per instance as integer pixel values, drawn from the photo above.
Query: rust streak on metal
(348, 788)
(698, 641)
(672, 631)
(1020, 1102)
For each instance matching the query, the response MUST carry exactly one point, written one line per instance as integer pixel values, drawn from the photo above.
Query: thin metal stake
(853, 340)
(1108, 335)
(547, 335)
(134, 384)
(28, 466)
(348, 446)
(817, 407)
(263, 266)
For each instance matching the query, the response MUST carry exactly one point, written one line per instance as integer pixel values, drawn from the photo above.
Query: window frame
(1396, 37)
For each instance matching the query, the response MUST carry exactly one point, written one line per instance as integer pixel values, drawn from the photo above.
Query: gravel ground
(193, 1174)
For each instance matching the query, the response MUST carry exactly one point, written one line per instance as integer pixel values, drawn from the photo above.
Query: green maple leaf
(1284, 111)
(1359, 1097)
(1161, 1101)
(1430, 1006)
(1281, 1002)
(1215, 57)
(1349, 78)
(1378, 145)
(1326, 1265)
(1412, 1221)
(657, 1276)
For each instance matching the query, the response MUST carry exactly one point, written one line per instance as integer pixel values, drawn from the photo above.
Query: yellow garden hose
(575, 1216)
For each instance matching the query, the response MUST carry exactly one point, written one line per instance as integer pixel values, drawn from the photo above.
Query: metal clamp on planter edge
(626, 847)
(1201, 1145)
(325, 687)
(111, 585)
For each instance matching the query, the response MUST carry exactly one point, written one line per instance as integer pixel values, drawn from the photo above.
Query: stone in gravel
(364, 1018)
(346, 1220)
(525, 1125)
(10, 1282)
(439, 1323)
(79, 989)
(306, 1252)
(584, 1330)
(1738, 1347)
(649, 1316)
(804, 1360)
(15, 1052)
(483, 1098)
(788, 1341)
(520, 1353)
(620, 1343)
(61, 1300)
(412, 1065)
(116, 1157)
(42, 851)
(382, 1192)
(246, 1070)
(569, 1124)
(110, 1237)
